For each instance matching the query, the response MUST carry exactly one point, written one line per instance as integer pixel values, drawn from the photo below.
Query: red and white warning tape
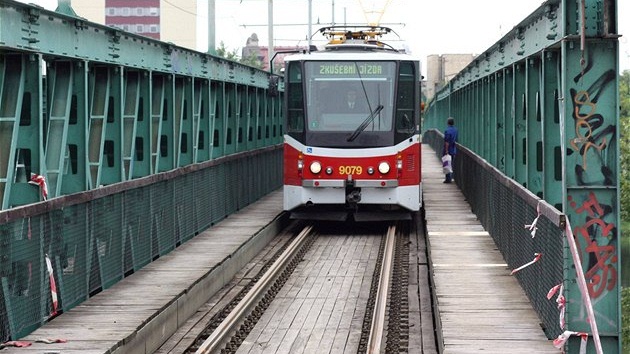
(537, 257)
(562, 339)
(581, 281)
(53, 286)
(532, 227)
(561, 301)
(40, 181)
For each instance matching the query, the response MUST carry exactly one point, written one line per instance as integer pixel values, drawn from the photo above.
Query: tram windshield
(342, 95)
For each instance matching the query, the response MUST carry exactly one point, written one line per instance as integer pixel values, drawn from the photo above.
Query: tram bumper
(365, 199)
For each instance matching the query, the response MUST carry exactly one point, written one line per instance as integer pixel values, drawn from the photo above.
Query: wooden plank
(312, 345)
(287, 341)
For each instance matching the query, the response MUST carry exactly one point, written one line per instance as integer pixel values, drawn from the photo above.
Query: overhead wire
(180, 8)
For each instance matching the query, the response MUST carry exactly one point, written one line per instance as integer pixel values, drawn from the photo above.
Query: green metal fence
(96, 238)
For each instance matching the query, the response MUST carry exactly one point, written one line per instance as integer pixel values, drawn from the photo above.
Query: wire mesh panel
(232, 177)
(162, 218)
(137, 245)
(218, 193)
(72, 258)
(106, 241)
(25, 304)
(203, 199)
(184, 213)
(241, 191)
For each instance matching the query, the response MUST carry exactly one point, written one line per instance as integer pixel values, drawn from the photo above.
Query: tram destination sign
(352, 69)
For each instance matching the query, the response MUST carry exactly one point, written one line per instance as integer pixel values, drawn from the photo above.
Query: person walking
(450, 141)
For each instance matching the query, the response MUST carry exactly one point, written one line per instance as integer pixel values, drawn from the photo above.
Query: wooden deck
(322, 306)
(481, 308)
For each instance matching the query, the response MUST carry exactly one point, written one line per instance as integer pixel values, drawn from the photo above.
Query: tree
(223, 51)
(625, 319)
(251, 60)
(624, 94)
(624, 193)
(624, 145)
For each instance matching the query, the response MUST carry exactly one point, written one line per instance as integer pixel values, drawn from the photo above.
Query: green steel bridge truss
(541, 106)
(114, 106)
(142, 145)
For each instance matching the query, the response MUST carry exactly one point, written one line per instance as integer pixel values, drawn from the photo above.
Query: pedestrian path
(480, 307)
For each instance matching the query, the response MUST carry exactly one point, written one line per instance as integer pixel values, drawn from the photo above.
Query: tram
(351, 118)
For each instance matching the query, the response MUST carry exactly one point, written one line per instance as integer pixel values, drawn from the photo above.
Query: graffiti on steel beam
(600, 272)
(592, 135)
(594, 143)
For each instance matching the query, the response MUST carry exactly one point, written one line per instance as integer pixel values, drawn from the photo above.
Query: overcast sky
(426, 26)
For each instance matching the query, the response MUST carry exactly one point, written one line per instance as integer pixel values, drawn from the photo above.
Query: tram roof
(355, 54)
(352, 42)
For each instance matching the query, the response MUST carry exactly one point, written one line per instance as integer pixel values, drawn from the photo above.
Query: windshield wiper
(365, 123)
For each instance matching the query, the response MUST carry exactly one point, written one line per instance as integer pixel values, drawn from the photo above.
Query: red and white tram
(352, 143)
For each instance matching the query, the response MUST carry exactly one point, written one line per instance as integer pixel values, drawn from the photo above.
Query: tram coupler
(353, 197)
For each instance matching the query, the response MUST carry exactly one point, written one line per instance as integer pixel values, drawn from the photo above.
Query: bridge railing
(96, 238)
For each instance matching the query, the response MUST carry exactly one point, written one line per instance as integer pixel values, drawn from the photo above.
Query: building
(252, 50)
(442, 68)
(168, 21)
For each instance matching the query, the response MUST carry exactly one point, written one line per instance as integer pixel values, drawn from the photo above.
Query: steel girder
(102, 106)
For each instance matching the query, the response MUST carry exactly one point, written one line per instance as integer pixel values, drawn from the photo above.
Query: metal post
(65, 7)
(310, 22)
(211, 28)
(270, 29)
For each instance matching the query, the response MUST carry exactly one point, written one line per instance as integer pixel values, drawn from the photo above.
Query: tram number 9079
(350, 170)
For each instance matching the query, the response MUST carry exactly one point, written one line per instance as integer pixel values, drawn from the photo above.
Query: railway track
(237, 324)
(377, 327)
(318, 283)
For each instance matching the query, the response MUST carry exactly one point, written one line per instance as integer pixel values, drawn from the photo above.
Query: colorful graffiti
(600, 272)
(594, 140)
(591, 133)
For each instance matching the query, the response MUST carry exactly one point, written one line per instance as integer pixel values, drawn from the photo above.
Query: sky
(425, 27)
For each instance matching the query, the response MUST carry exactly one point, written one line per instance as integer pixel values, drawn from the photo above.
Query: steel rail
(375, 339)
(218, 337)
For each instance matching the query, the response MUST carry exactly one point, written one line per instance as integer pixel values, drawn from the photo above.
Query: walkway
(481, 308)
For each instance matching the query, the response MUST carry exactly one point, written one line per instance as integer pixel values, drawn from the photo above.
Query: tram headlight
(383, 167)
(316, 167)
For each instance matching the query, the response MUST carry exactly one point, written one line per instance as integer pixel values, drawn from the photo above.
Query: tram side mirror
(273, 86)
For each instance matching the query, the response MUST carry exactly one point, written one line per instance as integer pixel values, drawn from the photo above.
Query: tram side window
(405, 99)
(295, 99)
